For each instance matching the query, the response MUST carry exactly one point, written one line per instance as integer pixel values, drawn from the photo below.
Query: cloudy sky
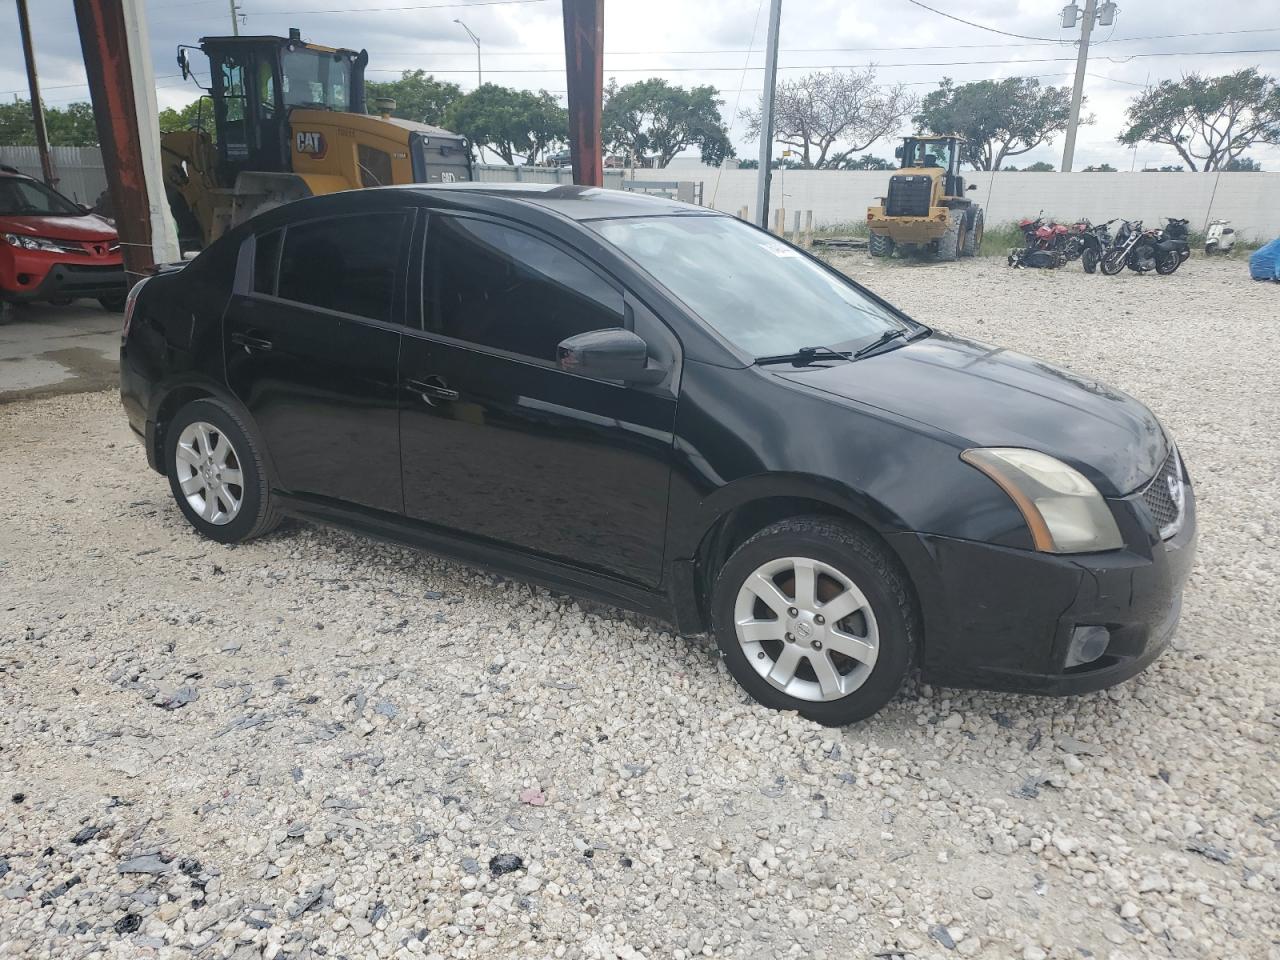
(718, 42)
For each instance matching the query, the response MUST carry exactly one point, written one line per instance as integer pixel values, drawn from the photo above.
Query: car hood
(990, 397)
(88, 227)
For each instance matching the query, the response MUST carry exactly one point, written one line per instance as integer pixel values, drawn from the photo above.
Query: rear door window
(348, 264)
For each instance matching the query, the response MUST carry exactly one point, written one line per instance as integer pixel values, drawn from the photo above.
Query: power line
(970, 23)
(863, 66)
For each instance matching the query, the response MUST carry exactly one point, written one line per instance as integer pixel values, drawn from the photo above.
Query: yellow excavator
(926, 210)
(289, 121)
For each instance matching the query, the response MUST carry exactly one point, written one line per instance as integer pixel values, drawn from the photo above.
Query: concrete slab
(47, 350)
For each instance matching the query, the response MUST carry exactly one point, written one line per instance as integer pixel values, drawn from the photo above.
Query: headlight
(30, 243)
(1063, 510)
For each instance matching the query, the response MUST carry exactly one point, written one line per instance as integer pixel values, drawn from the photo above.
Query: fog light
(1087, 645)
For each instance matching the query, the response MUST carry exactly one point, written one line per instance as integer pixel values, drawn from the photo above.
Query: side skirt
(562, 577)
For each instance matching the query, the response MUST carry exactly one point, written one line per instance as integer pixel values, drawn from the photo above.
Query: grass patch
(997, 239)
(854, 228)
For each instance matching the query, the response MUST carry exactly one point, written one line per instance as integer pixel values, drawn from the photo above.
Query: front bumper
(40, 277)
(998, 618)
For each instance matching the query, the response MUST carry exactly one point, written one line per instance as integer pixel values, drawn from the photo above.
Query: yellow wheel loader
(290, 122)
(926, 210)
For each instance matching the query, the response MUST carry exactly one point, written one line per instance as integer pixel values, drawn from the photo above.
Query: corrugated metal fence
(78, 169)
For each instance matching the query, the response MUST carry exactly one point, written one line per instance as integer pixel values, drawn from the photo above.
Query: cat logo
(310, 142)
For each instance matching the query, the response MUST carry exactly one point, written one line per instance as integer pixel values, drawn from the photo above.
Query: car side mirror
(85, 208)
(897, 152)
(184, 64)
(613, 354)
(972, 186)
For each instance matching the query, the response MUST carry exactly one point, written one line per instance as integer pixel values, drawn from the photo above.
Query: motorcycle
(1219, 238)
(1044, 245)
(1142, 251)
(1172, 245)
(1091, 240)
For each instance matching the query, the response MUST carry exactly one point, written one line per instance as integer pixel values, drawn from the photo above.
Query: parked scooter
(1219, 238)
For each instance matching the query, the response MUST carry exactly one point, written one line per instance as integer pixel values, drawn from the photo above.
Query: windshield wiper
(887, 337)
(805, 356)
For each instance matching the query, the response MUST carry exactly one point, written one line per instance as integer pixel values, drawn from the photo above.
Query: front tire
(217, 473)
(949, 242)
(1089, 260)
(813, 615)
(113, 304)
(1113, 263)
(973, 237)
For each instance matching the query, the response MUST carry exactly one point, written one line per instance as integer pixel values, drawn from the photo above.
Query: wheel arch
(172, 397)
(739, 511)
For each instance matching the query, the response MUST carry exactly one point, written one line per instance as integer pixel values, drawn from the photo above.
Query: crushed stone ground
(315, 745)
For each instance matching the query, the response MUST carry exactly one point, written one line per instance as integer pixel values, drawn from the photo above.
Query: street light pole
(476, 41)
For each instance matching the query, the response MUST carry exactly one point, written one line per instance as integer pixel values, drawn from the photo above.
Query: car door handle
(432, 388)
(250, 343)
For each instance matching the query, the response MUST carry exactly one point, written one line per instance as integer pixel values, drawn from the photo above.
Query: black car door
(500, 443)
(312, 337)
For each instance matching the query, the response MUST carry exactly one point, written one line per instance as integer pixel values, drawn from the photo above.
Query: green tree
(1167, 168)
(1242, 165)
(197, 113)
(1210, 121)
(653, 117)
(515, 124)
(822, 109)
(1038, 167)
(418, 95)
(69, 126)
(1099, 168)
(998, 118)
(865, 162)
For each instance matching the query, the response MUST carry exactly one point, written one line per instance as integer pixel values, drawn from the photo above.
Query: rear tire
(834, 673)
(881, 245)
(113, 304)
(8, 311)
(949, 242)
(217, 473)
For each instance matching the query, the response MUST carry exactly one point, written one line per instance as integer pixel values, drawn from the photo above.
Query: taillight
(130, 302)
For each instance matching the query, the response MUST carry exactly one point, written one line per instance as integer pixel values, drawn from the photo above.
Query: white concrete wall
(1251, 201)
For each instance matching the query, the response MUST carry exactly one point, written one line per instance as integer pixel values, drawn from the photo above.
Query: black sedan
(669, 410)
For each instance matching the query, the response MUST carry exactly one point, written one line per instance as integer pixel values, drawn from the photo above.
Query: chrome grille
(1165, 497)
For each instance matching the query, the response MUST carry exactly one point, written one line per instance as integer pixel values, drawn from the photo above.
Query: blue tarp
(1265, 263)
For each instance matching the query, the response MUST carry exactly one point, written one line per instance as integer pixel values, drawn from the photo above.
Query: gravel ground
(319, 746)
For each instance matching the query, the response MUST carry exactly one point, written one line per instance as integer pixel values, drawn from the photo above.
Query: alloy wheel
(806, 628)
(209, 473)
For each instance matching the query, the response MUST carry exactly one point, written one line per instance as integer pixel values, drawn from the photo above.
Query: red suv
(53, 249)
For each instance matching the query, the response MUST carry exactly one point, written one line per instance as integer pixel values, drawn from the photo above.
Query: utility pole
(584, 73)
(1069, 14)
(37, 108)
(235, 18)
(476, 41)
(766, 115)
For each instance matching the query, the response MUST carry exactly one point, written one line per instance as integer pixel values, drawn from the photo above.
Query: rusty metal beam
(37, 106)
(584, 71)
(104, 42)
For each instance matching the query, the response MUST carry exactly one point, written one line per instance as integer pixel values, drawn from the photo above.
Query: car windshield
(30, 198)
(314, 78)
(763, 296)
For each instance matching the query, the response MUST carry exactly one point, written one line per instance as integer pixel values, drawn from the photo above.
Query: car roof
(574, 202)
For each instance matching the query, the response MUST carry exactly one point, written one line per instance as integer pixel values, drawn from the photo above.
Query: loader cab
(256, 81)
(934, 153)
